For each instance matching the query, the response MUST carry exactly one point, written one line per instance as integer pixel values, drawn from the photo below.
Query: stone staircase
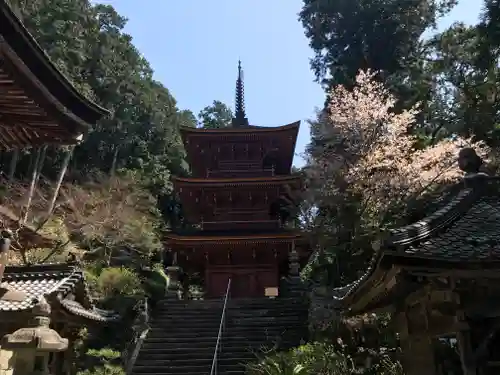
(183, 335)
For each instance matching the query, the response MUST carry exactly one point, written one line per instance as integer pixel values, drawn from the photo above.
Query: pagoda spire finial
(239, 119)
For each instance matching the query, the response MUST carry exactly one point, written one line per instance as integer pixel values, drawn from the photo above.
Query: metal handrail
(221, 325)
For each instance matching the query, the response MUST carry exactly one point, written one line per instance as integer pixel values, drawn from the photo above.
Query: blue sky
(194, 47)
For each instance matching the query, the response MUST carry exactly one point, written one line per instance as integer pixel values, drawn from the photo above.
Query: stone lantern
(32, 345)
(173, 282)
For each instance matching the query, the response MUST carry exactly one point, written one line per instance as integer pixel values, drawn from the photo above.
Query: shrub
(156, 283)
(311, 359)
(117, 288)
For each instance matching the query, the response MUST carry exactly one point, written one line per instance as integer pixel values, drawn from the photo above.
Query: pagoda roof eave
(232, 238)
(243, 130)
(362, 295)
(27, 48)
(237, 181)
(44, 107)
(56, 282)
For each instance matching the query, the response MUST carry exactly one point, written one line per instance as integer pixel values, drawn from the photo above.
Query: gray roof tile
(464, 229)
(46, 280)
(36, 281)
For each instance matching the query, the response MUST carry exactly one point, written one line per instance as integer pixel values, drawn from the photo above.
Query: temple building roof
(38, 104)
(62, 285)
(461, 237)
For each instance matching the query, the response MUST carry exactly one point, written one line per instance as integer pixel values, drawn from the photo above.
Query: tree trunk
(13, 164)
(114, 162)
(60, 178)
(34, 175)
(40, 164)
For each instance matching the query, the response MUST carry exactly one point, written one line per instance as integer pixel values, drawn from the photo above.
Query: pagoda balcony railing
(239, 216)
(243, 224)
(240, 173)
(226, 165)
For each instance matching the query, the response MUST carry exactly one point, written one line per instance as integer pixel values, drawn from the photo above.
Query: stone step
(182, 329)
(245, 331)
(184, 334)
(261, 314)
(185, 321)
(202, 353)
(177, 328)
(161, 349)
(181, 340)
(269, 320)
(188, 307)
(183, 345)
(189, 362)
(173, 370)
(191, 314)
(240, 355)
(241, 334)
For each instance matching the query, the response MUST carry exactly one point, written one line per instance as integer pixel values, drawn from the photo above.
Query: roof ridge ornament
(469, 161)
(240, 120)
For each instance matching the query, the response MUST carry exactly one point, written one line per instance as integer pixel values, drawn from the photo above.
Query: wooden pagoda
(236, 200)
(440, 278)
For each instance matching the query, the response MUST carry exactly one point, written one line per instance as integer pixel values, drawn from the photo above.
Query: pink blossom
(372, 150)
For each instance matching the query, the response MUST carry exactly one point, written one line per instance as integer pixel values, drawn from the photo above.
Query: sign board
(271, 292)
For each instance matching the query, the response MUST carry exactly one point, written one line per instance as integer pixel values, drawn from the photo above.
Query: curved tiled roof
(93, 313)
(463, 232)
(57, 280)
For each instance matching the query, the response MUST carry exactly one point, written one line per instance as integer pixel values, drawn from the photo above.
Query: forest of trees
(401, 99)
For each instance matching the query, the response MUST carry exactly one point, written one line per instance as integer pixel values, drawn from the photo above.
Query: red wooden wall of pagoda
(246, 281)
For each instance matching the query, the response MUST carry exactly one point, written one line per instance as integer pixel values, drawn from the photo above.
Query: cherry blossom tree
(366, 149)
(365, 169)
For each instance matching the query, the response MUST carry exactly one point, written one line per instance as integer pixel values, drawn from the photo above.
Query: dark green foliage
(155, 283)
(382, 35)
(218, 115)
(88, 44)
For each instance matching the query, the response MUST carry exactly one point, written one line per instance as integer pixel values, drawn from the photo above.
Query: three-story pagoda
(241, 181)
